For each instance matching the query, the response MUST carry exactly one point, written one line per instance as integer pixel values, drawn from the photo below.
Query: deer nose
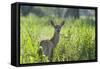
(58, 30)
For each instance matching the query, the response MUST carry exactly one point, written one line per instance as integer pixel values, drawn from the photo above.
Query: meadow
(77, 39)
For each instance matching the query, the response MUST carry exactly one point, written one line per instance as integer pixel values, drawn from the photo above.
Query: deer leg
(50, 54)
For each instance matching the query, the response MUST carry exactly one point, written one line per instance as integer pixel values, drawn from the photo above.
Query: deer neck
(55, 38)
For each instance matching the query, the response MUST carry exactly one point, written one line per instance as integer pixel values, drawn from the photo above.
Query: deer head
(57, 27)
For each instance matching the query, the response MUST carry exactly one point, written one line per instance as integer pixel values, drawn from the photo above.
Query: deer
(49, 45)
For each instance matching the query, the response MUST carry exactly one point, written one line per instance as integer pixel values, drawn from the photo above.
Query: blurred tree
(56, 12)
(37, 11)
(24, 10)
(71, 12)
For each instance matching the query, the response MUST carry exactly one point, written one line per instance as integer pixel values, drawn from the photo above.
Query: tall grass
(77, 39)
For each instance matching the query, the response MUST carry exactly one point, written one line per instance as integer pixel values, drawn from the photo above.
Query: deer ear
(52, 23)
(63, 22)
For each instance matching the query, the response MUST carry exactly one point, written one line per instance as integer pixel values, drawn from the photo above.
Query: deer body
(48, 45)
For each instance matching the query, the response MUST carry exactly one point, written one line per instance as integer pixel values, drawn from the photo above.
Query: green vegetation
(77, 39)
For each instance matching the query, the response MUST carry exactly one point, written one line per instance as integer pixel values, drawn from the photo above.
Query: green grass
(77, 39)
